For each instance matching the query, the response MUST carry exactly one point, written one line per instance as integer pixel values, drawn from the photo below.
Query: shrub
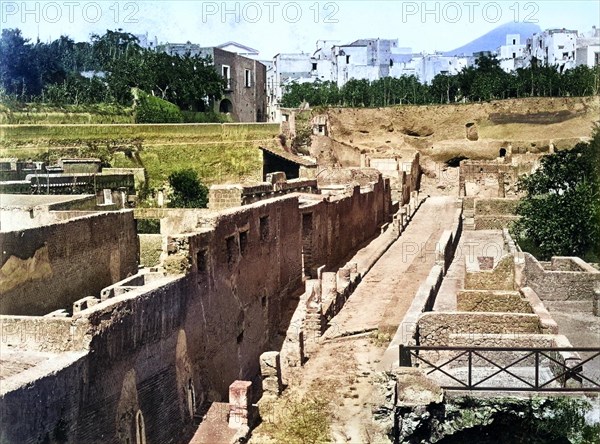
(151, 109)
(188, 191)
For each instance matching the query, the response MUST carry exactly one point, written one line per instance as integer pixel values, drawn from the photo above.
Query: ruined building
(96, 348)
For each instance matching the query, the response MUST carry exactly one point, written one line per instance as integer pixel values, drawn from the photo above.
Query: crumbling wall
(494, 213)
(568, 279)
(404, 176)
(335, 226)
(435, 328)
(159, 346)
(492, 301)
(487, 178)
(500, 277)
(47, 268)
(228, 196)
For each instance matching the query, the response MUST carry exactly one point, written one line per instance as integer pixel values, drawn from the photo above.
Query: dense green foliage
(560, 214)
(51, 72)
(151, 109)
(188, 191)
(523, 421)
(486, 81)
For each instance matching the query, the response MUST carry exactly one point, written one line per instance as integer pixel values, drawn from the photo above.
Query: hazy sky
(288, 26)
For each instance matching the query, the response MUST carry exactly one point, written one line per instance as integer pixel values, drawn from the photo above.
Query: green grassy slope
(219, 152)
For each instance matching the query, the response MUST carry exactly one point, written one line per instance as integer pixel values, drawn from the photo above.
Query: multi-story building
(512, 54)
(245, 96)
(588, 48)
(553, 47)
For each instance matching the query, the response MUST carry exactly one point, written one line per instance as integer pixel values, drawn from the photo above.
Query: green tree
(188, 191)
(560, 213)
(19, 71)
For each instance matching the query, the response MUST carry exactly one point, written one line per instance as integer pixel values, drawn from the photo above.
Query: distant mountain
(495, 38)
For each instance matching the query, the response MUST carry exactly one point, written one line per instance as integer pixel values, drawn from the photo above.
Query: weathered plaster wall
(47, 268)
(565, 281)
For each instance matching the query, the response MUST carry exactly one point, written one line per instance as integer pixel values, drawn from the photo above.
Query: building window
(514, 41)
(514, 55)
(314, 66)
(226, 73)
(391, 63)
(247, 78)
(232, 249)
(243, 242)
(597, 59)
(347, 60)
(264, 228)
(201, 261)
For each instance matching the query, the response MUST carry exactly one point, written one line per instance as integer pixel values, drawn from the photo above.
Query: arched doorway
(226, 106)
(502, 152)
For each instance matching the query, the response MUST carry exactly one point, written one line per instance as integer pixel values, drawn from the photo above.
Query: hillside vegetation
(218, 152)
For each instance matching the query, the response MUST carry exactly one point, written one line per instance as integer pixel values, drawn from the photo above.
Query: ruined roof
(302, 161)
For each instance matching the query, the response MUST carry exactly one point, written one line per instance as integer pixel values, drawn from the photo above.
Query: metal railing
(550, 369)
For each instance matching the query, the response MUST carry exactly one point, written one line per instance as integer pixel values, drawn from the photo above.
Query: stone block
(240, 403)
(272, 385)
(270, 364)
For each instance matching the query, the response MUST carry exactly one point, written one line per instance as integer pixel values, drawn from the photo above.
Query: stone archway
(226, 106)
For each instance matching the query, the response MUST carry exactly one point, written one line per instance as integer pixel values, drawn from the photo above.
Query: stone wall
(336, 225)
(501, 277)
(489, 178)
(566, 279)
(435, 328)
(228, 196)
(157, 346)
(47, 268)
(492, 301)
(494, 213)
(404, 177)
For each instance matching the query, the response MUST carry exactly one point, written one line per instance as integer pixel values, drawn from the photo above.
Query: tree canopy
(484, 81)
(52, 72)
(560, 213)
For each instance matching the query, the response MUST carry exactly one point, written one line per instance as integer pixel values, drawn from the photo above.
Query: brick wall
(334, 227)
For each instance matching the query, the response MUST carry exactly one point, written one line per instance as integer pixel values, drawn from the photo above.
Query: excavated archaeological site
(374, 282)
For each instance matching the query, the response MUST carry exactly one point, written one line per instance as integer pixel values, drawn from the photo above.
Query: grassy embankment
(219, 152)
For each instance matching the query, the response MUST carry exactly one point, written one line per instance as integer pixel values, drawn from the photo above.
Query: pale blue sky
(287, 26)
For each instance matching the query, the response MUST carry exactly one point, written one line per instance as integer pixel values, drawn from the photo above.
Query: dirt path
(340, 369)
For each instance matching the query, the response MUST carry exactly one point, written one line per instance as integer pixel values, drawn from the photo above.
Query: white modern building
(554, 47)
(588, 48)
(513, 53)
